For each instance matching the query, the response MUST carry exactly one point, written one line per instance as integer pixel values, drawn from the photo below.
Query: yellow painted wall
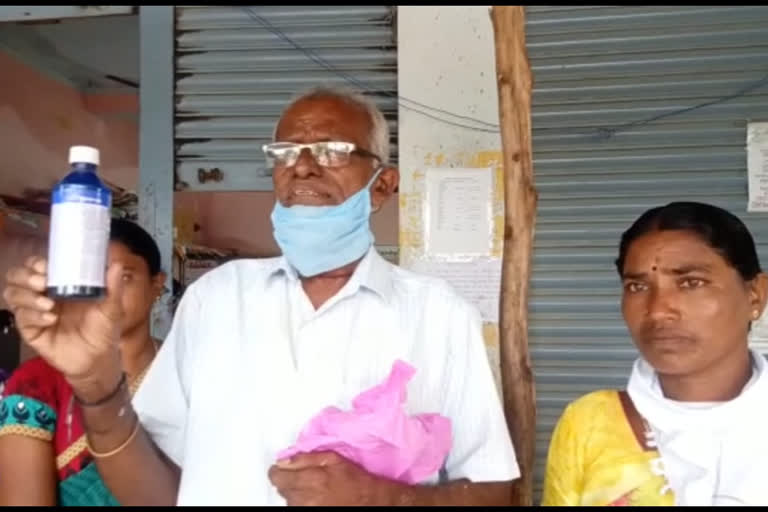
(446, 61)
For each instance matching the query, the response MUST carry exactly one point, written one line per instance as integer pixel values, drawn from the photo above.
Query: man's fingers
(284, 479)
(37, 264)
(29, 318)
(25, 277)
(23, 298)
(32, 325)
(300, 498)
(308, 460)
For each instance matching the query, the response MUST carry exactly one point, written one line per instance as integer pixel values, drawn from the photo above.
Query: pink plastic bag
(378, 435)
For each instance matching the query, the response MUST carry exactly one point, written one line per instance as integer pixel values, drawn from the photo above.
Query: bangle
(107, 398)
(104, 455)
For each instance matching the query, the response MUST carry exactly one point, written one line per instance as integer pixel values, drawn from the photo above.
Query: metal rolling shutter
(601, 67)
(234, 75)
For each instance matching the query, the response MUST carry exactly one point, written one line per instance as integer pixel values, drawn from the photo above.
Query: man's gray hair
(378, 139)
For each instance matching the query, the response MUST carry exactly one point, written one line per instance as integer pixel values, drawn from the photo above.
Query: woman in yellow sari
(690, 428)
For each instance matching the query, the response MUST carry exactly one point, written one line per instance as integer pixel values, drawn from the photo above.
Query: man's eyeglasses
(327, 154)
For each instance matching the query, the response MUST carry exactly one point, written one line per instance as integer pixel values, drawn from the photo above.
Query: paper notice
(478, 281)
(757, 166)
(459, 212)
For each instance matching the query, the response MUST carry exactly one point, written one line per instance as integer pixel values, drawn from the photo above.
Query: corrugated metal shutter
(596, 68)
(234, 75)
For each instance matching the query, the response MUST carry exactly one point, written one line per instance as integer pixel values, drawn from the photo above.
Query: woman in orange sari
(44, 456)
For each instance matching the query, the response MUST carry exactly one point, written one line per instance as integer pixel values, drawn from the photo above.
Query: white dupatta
(711, 454)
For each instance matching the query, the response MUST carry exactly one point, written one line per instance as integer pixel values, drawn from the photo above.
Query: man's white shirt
(249, 361)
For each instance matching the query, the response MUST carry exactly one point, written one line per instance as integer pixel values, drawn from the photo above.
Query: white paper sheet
(757, 166)
(478, 281)
(459, 212)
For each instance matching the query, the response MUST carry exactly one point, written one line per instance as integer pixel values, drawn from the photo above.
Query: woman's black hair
(719, 228)
(138, 241)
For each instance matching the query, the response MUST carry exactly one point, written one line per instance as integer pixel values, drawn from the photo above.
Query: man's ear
(385, 185)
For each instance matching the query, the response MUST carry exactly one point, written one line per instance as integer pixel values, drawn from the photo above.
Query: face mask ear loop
(375, 175)
(371, 182)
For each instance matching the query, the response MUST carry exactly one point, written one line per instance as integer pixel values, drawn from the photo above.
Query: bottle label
(75, 193)
(79, 234)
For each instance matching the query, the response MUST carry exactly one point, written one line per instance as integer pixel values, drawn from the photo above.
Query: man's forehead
(310, 122)
(327, 114)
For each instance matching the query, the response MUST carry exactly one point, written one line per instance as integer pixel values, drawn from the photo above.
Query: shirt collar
(373, 272)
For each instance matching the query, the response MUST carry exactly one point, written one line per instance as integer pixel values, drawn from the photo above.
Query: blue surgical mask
(317, 239)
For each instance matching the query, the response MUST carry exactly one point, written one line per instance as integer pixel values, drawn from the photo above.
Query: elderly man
(258, 347)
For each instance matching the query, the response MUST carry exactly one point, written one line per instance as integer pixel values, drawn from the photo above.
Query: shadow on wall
(40, 118)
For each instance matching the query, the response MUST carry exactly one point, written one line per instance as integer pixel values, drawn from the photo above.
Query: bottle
(79, 232)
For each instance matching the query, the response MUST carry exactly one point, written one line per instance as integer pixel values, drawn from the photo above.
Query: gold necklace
(136, 382)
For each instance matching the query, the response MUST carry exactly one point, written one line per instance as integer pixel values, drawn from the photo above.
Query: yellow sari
(595, 458)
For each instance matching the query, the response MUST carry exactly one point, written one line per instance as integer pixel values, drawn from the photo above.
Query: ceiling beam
(25, 44)
(52, 12)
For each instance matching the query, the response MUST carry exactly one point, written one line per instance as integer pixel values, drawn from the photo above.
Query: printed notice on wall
(757, 166)
(478, 281)
(458, 213)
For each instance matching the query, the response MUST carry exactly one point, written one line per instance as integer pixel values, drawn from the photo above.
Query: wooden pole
(513, 73)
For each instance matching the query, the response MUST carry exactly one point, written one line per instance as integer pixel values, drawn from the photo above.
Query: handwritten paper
(757, 166)
(478, 281)
(459, 212)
